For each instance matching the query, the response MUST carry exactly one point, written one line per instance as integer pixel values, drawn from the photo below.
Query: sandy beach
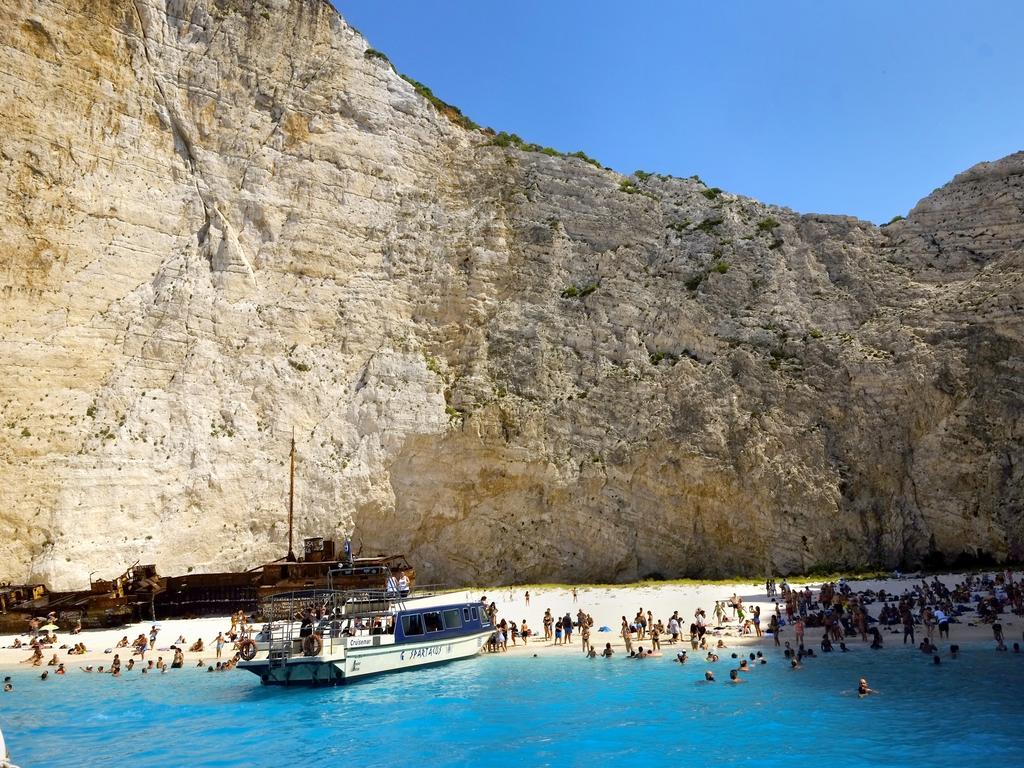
(607, 604)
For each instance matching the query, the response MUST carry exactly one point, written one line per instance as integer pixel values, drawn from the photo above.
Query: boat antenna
(291, 502)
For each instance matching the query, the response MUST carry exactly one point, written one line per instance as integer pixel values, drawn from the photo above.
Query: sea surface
(521, 711)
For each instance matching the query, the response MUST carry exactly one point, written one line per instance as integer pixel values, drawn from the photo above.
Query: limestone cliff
(223, 219)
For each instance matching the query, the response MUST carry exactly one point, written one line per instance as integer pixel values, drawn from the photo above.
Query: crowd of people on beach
(42, 642)
(820, 621)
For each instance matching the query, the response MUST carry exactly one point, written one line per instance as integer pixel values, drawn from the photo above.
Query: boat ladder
(281, 643)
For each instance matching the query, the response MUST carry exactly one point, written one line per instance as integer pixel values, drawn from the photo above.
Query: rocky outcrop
(224, 219)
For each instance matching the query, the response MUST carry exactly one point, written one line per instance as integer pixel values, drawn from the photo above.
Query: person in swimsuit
(863, 689)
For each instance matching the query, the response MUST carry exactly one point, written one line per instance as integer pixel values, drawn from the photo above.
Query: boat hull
(357, 663)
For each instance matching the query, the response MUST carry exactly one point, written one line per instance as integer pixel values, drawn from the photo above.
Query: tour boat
(332, 637)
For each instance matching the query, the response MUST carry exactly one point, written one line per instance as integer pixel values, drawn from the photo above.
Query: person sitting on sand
(53, 662)
(36, 659)
(863, 689)
(122, 643)
(196, 647)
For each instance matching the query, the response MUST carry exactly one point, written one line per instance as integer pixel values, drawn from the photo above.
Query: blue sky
(858, 108)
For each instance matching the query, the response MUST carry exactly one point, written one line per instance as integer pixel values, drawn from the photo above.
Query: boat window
(452, 620)
(432, 621)
(465, 614)
(412, 625)
(475, 614)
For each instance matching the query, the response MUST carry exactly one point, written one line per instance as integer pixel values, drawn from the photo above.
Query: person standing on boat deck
(391, 586)
(306, 625)
(403, 586)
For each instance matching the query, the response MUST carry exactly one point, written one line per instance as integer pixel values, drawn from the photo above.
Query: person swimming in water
(734, 676)
(863, 689)
(709, 676)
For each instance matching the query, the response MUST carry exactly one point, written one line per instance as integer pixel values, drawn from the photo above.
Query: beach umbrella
(49, 627)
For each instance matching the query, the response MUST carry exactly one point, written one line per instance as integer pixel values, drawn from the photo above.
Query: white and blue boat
(332, 637)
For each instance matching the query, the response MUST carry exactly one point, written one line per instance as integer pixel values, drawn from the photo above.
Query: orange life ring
(312, 645)
(247, 650)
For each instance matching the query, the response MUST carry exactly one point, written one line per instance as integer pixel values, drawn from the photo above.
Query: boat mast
(291, 501)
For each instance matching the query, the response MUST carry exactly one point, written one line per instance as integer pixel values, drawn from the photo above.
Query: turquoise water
(523, 711)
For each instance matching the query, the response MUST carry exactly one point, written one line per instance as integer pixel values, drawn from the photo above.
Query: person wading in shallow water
(627, 635)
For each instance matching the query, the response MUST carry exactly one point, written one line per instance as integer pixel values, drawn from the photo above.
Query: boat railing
(288, 606)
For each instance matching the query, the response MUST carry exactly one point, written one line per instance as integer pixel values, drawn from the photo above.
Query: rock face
(222, 219)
